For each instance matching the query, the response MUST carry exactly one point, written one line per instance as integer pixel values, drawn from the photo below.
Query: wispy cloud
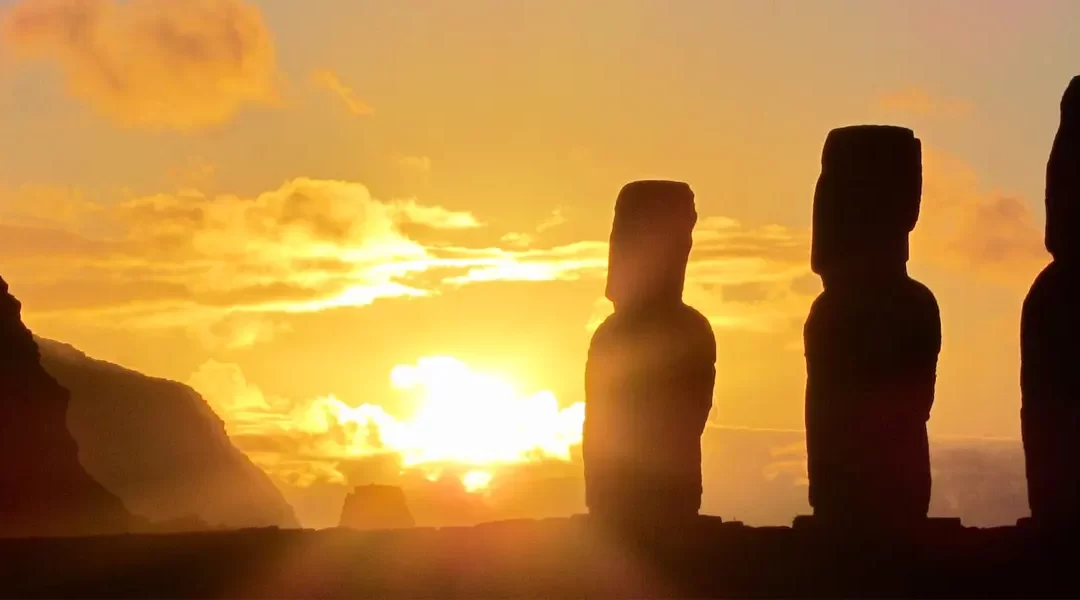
(415, 164)
(982, 232)
(328, 80)
(159, 65)
(213, 264)
(918, 102)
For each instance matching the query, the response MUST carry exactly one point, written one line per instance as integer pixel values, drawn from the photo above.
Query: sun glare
(476, 480)
(470, 421)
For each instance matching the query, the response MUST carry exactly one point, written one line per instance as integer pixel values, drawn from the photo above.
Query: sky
(280, 202)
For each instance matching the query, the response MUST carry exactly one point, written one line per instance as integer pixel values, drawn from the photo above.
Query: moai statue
(651, 366)
(1050, 339)
(872, 337)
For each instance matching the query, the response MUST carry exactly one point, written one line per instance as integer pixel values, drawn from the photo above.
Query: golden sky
(296, 197)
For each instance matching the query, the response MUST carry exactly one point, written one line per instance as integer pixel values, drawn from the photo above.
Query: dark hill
(158, 445)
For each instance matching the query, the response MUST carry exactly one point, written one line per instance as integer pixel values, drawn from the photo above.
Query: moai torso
(651, 366)
(1049, 334)
(872, 337)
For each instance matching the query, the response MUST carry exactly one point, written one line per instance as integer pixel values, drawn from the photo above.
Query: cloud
(464, 420)
(239, 331)
(980, 480)
(147, 63)
(524, 240)
(554, 220)
(415, 164)
(983, 233)
(918, 102)
(757, 476)
(229, 269)
(216, 263)
(728, 255)
(196, 173)
(329, 81)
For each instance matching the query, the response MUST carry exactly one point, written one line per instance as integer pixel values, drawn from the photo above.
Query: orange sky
(299, 200)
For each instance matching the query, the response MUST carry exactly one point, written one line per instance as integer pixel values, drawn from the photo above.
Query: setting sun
(464, 420)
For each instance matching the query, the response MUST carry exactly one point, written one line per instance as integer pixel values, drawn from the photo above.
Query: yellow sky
(316, 196)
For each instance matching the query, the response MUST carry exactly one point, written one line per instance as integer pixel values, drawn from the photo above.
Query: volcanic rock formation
(158, 445)
(651, 365)
(872, 337)
(1050, 338)
(376, 507)
(44, 491)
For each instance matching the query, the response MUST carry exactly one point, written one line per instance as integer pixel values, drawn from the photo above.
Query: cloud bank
(148, 63)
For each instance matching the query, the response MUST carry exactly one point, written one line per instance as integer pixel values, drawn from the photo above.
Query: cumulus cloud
(329, 81)
(173, 65)
(918, 102)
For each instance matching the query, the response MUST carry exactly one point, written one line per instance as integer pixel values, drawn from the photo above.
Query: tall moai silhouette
(1050, 338)
(872, 337)
(651, 365)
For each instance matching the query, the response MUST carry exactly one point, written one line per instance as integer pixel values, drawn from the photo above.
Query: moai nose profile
(872, 337)
(1049, 348)
(651, 366)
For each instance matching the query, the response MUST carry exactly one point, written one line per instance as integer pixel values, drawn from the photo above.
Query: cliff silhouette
(159, 446)
(44, 491)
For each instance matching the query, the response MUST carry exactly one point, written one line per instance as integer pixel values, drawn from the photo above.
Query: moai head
(867, 199)
(650, 242)
(1063, 180)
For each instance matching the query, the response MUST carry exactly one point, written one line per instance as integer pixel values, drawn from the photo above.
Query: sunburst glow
(474, 421)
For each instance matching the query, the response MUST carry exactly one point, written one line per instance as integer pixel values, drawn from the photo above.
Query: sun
(470, 421)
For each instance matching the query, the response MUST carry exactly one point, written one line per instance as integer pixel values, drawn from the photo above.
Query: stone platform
(551, 558)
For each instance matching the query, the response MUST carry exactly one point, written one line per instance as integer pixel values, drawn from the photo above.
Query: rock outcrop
(44, 491)
(1050, 339)
(159, 446)
(651, 366)
(872, 337)
(376, 507)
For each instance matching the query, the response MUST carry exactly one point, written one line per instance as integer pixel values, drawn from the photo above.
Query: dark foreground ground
(546, 558)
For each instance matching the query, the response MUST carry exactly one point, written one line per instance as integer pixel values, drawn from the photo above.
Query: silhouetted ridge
(650, 369)
(159, 446)
(1049, 338)
(44, 491)
(872, 337)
